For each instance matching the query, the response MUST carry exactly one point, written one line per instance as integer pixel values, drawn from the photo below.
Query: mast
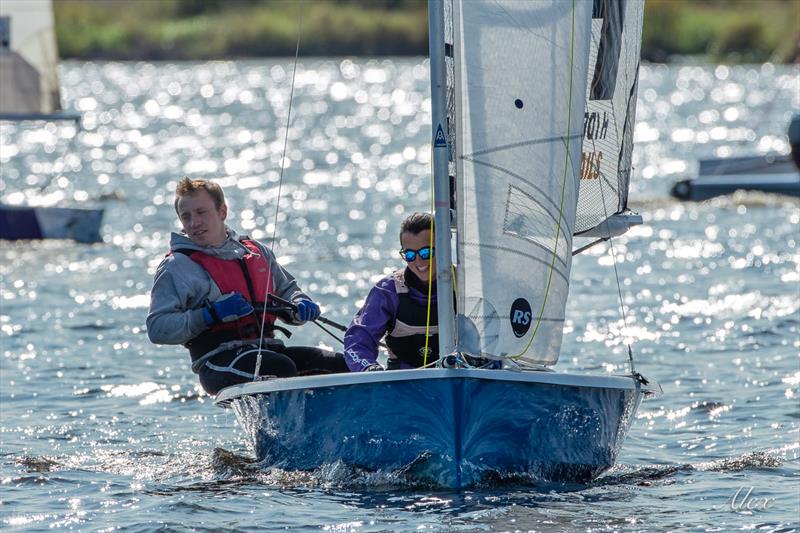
(441, 179)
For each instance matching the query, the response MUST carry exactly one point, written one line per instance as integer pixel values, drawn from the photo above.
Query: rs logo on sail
(520, 317)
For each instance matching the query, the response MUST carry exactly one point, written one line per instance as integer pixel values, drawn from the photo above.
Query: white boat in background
(772, 173)
(29, 90)
(533, 110)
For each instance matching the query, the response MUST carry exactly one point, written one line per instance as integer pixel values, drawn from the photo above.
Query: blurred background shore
(727, 31)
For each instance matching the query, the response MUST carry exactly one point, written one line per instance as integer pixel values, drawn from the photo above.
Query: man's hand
(306, 310)
(372, 368)
(228, 308)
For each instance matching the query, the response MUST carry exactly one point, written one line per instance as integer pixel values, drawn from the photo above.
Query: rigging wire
(278, 199)
(610, 240)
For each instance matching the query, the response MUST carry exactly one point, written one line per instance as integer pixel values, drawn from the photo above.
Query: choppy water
(101, 430)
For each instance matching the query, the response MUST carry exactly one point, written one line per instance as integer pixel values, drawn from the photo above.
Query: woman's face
(425, 270)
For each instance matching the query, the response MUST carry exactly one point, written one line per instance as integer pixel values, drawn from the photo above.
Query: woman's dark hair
(416, 223)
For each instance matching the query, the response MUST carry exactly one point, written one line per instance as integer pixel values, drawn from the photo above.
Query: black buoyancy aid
(250, 276)
(406, 337)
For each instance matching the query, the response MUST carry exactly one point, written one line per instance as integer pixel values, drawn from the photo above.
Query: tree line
(722, 30)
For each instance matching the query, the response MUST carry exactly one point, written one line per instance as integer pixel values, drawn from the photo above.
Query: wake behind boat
(533, 109)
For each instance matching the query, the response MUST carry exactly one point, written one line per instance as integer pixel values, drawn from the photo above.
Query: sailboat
(532, 113)
(772, 173)
(29, 88)
(29, 91)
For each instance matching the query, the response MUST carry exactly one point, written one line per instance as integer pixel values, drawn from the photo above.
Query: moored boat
(770, 173)
(29, 91)
(25, 222)
(29, 88)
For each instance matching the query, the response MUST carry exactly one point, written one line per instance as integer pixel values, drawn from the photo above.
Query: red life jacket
(250, 276)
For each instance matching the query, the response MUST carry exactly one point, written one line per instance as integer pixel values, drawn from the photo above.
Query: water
(99, 429)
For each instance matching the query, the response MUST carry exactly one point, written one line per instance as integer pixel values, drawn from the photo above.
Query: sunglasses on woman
(424, 253)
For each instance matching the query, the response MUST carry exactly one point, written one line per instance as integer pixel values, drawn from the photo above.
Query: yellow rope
(455, 286)
(430, 288)
(430, 270)
(563, 190)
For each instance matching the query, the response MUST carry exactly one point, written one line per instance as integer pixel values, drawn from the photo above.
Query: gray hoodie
(182, 287)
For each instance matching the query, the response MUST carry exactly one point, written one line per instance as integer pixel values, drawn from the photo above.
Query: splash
(649, 474)
(38, 464)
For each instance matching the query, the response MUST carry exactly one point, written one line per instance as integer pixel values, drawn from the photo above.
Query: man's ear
(223, 211)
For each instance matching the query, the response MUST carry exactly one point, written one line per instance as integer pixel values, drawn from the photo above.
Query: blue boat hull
(453, 428)
(22, 222)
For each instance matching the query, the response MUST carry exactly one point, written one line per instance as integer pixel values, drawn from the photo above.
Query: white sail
(609, 118)
(29, 59)
(520, 86)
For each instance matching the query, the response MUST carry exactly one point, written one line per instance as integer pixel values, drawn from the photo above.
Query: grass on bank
(735, 31)
(209, 29)
(726, 30)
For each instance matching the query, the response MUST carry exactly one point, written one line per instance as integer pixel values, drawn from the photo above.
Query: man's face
(420, 267)
(203, 223)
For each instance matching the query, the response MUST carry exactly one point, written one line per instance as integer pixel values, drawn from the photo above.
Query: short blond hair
(189, 186)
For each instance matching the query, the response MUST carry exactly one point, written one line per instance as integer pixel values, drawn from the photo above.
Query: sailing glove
(372, 368)
(306, 310)
(228, 308)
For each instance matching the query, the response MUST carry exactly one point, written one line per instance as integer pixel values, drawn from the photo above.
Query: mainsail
(610, 112)
(520, 85)
(28, 58)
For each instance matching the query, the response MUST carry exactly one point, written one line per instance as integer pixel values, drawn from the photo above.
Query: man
(398, 308)
(210, 292)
